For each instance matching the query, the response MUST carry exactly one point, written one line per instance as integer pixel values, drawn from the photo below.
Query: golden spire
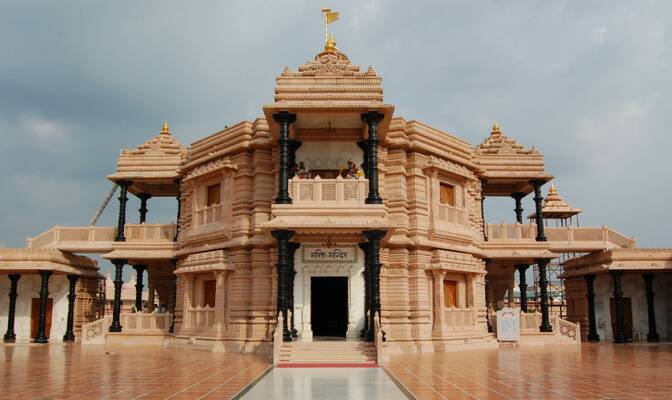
(495, 128)
(165, 128)
(552, 190)
(329, 17)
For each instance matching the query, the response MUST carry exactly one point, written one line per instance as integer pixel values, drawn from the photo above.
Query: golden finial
(552, 190)
(329, 17)
(165, 128)
(495, 128)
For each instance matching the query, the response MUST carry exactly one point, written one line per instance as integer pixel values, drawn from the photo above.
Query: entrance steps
(328, 354)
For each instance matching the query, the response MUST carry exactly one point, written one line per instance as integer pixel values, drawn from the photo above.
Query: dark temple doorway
(329, 306)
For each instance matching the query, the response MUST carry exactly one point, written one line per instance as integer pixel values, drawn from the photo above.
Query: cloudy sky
(586, 82)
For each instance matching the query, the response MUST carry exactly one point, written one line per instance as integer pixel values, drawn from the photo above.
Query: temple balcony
(152, 240)
(333, 204)
(517, 240)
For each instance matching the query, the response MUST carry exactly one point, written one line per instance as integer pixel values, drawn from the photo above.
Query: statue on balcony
(300, 171)
(352, 171)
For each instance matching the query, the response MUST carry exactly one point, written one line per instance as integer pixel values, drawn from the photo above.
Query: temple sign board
(317, 254)
(508, 325)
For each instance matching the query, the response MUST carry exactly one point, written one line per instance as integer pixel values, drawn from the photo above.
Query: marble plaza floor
(96, 372)
(593, 371)
(602, 371)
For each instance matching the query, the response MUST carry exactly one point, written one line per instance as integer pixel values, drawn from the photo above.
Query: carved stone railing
(332, 192)
(512, 232)
(567, 330)
(207, 215)
(277, 339)
(452, 214)
(146, 322)
(530, 322)
(564, 237)
(96, 237)
(572, 234)
(460, 319)
(59, 234)
(149, 232)
(201, 317)
(379, 339)
(94, 332)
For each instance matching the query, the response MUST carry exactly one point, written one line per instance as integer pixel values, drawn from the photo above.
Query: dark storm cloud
(584, 82)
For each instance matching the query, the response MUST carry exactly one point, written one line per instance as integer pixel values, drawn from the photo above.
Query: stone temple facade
(347, 220)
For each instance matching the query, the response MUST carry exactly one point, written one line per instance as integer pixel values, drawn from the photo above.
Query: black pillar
(374, 238)
(367, 291)
(284, 119)
(619, 334)
(372, 118)
(592, 325)
(10, 335)
(522, 284)
(283, 237)
(293, 247)
(485, 225)
(293, 147)
(42, 317)
(538, 204)
(116, 304)
(72, 294)
(143, 206)
(365, 152)
(652, 336)
(179, 210)
(518, 197)
(139, 269)
(123, 198)
(543, 297)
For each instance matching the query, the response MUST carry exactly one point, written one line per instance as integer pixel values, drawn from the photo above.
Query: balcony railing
(202, 317)
(452, 214)
(207, 215)
(460, 319)
(334, 192)
(136, 322)
(100, 236)
(149, 232)
(512, 232)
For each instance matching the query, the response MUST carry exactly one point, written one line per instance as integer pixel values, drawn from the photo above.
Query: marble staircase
(317, 354)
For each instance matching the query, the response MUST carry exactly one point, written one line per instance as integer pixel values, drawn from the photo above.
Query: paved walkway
(325, 384)
(592, 371)
(95, 372)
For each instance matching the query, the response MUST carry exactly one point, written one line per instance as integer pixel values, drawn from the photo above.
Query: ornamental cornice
(435, 163)
(53, 255)
(211, 166)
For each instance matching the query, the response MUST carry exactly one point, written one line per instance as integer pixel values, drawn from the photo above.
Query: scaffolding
(556, 211)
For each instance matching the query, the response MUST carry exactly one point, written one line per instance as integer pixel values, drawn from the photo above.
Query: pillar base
(115, 329)
(9, 339)
(373, 200)
(41, 340)
(595, 338)
(653, 338)
(69, 337)
(287, 337)
(546, 328)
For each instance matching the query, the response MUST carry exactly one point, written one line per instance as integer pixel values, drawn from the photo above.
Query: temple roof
(624, 259)
(328, 85)
(152, 165)
(508, 166)
(26, 260)
(555, 207)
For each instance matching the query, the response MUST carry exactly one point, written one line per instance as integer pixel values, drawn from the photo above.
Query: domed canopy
(153, 167)
(508, 166)
(329, 93)
(555, 207)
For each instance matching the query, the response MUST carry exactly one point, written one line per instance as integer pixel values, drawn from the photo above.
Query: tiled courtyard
(601, 371)
(95, 372)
